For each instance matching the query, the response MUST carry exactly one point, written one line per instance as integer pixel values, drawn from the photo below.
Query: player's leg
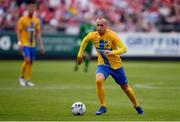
(87, 60)
(29, 70)
(76, 67)
(120, 78)
(29, 67)
(101, 75)
(132, 96)
(23, 69)
(22, 80)
(100, 78)
(88, 51)
(26, 55)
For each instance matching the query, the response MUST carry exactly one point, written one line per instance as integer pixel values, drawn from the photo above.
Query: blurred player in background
(109, 48)
(28, 28)
(86, 27)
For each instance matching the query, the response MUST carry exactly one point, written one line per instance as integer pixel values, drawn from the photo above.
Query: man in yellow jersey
(109, 48)
(28, 28)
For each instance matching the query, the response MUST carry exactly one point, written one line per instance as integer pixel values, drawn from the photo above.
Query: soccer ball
(78, 108)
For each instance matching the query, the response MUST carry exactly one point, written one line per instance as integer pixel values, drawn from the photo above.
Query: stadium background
(149, 28)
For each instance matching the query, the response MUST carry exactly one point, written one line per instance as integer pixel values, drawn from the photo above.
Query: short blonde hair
(102, 19)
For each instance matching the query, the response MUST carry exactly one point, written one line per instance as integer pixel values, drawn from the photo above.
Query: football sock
(28, 72)
(130, 93)
(86, 62)
(23, 68)
(76, 67)
(101, 92)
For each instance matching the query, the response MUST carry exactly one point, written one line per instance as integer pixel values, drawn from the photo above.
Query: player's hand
(108, 52)
(42, 49)
(21, 49)
(79, 60)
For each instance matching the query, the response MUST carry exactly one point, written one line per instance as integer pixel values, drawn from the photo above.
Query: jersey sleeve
(121, 48)
(84, 44)
(20, 24)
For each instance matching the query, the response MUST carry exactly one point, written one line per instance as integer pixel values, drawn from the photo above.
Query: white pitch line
(75, 87)
(153, 86)
(67, 87)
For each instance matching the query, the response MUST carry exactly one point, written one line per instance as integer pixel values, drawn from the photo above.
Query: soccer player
(28, 28)
(109, 48)
(85, 28)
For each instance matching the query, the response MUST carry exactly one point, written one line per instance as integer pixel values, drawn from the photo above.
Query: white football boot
(22, 81)
(28, 83)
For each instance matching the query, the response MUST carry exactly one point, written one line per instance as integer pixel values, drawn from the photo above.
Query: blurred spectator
(123, 15)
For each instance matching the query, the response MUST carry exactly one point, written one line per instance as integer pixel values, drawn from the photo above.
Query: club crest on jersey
(107, 43)
(31, 28)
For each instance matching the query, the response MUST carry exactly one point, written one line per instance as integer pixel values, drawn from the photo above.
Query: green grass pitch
(157, 85)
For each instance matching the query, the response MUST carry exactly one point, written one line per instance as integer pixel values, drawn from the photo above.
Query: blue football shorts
(119, 75)
(29, 52)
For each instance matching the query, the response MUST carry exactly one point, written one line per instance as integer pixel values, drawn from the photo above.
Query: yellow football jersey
(109, 41)
(28, 27)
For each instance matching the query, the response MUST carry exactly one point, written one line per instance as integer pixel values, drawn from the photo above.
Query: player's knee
(28, 60)
(124, 87)
(99, 81)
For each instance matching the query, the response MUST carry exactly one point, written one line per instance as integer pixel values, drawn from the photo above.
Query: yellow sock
(101, 92)
(28, 72)
(130, 93)
(23, 68)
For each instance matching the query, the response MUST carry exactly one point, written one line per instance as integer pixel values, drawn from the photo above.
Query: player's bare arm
(19, 41)
(39, 36)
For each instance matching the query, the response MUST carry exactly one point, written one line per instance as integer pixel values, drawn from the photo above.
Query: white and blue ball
(78, 108)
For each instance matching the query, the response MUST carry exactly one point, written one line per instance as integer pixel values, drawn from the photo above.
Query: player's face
(31, 8)
(101, 26)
